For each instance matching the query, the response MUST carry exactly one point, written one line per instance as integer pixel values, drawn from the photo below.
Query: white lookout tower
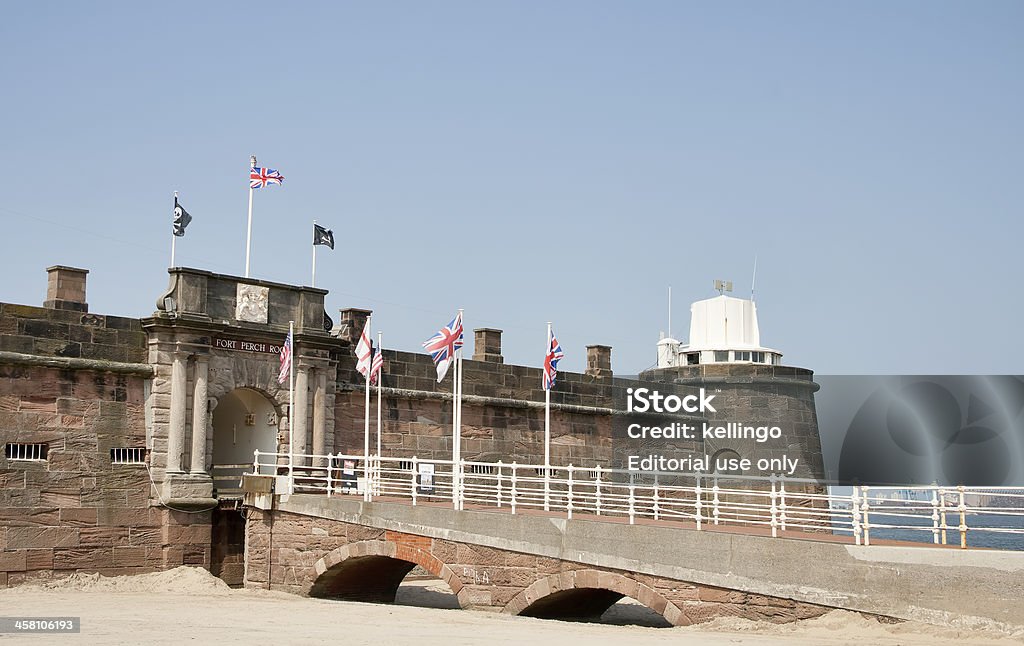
(723, 329)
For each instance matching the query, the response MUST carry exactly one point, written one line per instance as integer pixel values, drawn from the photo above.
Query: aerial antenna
(670, 312)
(753, 279)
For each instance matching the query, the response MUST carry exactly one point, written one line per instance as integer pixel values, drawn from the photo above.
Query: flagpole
(291, 407)
(174, 238)
(248, 233)
(366, 426)
(458, 421)
(547, 427)
(380, 341)
(312, 282)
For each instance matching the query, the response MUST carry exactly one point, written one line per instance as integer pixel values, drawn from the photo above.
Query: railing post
(855, 514)
(942, 514)
(547, 487)
(963, 519)
(459, 502)
(330, 463)
(866, 510)
(772, 509)
(597, 490)
(513, 492)
(568, 495)
(714, 501)
(256, 462)
(376, 475)
(782, 504)
(698, 505)
(415, 479)
(632, 500)
(499, 483)
(654, 498)
(935, 514)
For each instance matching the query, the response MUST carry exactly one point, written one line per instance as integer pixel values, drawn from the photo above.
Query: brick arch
(598, 581)
(335, 559)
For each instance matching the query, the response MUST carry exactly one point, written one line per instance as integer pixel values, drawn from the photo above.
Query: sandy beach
(190, 605)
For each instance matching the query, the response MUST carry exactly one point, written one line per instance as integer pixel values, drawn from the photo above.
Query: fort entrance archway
(244, 421)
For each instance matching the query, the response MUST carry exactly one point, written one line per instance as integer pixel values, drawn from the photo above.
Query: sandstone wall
(70, 381)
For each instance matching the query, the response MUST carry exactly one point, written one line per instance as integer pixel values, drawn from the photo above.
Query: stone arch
(588, 594)
(230, 372)
(375, 569)
(233, 437)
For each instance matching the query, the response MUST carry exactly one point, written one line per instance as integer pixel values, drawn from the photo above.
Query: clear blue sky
(541, 161)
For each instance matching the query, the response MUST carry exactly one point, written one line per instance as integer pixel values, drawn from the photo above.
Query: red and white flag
(286, 360)
(376, 365)
(364, 351)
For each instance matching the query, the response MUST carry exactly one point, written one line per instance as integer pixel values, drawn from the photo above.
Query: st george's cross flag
(442, 346)
(551, 359)
(286, 360)
(260, 177)
(364, 351)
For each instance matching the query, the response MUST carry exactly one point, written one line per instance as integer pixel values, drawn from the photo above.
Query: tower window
(721, 356)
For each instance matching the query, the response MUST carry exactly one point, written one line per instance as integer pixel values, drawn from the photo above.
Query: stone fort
(125, 438)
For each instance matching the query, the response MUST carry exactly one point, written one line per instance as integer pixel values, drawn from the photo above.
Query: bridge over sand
(552, 564)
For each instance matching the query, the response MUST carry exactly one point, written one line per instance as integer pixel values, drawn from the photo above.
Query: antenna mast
(752, 280)
(670, 312)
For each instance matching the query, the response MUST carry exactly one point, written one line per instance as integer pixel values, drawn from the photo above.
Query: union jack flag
(286, 359)
(551, 359)
(376, 365)
(260, 177)
(442, 346)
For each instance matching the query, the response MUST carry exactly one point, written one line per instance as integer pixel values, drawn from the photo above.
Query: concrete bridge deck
(555, 567)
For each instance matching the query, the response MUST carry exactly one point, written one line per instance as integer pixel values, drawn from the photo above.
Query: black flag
(181, 219)
(323, 236)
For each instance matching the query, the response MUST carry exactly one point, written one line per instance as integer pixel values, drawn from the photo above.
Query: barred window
(405, 465)
(26, 452)
(128, 455)
(481, 469)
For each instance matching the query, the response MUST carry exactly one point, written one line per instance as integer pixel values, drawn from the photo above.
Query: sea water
(976, 534)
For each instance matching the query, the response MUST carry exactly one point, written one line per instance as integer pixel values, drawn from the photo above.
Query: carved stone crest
(251, 303)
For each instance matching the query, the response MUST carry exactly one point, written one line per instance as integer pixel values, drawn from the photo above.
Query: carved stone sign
(251, 303)
(247, 346)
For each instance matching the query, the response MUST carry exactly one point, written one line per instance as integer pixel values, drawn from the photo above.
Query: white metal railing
(937, 514)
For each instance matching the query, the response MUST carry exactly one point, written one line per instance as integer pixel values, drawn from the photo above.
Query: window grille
(26, 452)
(127, 455)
